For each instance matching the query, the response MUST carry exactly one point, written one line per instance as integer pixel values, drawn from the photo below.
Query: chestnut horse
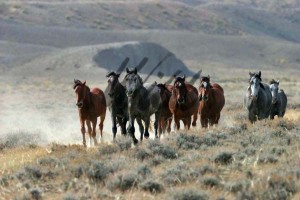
(166, 115)
(184, 103)
(212, 101)
(91, 104)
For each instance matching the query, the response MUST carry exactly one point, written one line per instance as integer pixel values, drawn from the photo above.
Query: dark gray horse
(117, 102)
(142, 103)
(279, 100)
(258, 98)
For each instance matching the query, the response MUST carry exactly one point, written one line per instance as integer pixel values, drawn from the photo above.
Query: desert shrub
(223, 158)
(5, 179)
(152, 186)
(185, 141)
(142, 154)
(105, 195)
(98, 171)
(124, 143)
(157, 160)
(78, 171)
(70, 197)
(108, 149)
(246, 195)
(189, 195)
(238, 128)
(237, 186)
(278, 151)
(267, 158)
(179, 174)
(17, 139)
(30, 172)
(205, 169)
(36, 193)
(144, 171)
(49, 161)
(125, 181)
(211, 181)
(161, 149)
(250, 151)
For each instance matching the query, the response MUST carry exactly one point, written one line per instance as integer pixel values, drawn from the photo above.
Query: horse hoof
(194, 124)
(135, 141)
(146, 135)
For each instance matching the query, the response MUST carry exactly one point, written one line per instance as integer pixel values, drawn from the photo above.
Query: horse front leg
(204, 121)
(141, 126)
(188, 122)
(169, 125)
(94, 123)
(114, 125)
(83, 132)
(177, 123)
(157, 119)
(131, 129)
(195, 116)
(147, 123)
(88, 124)
(102, 118)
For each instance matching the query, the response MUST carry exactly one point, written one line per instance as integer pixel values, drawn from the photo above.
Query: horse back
(216, 86)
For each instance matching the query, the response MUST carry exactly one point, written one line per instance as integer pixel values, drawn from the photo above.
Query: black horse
(117, 102)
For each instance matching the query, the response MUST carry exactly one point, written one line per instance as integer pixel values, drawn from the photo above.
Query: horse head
(274, 87)
(204, 88)
(180, 89)
(133, 81)
(255, 85)
(113, 80)
(81, 91)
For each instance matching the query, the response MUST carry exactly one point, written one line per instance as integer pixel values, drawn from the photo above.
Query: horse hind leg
(102, 118)
(169, 125)
(157, 119)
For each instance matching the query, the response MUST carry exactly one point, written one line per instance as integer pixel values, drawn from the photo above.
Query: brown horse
(212, 101)
(91, 104)
(184, 103)
(166, 115)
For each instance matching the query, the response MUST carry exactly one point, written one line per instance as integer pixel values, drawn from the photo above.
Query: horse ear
(84, 82)
(259, 74)
(135, 70)
(183, 77)
(278, 82)
(208, 77)
(127, 70)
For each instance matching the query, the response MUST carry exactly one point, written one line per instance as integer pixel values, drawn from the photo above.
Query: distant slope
(96, 60)
(115, 15)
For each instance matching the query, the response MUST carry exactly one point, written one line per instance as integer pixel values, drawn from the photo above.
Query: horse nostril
(79, 104)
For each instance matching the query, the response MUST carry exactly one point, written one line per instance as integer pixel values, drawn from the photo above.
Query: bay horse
(212, 101)
(279, 100)
(184, 103)
(117, 102)
(166, 114)
(258, 98)
(142, 103)
(91, 104)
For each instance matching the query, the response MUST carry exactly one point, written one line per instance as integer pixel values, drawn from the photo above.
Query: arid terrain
(45, 44)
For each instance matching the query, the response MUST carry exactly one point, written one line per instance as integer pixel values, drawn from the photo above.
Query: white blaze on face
(204, 84)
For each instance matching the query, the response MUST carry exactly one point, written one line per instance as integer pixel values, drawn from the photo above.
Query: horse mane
(272, 81)
(205, 78)
(112, 73)
(76, 83)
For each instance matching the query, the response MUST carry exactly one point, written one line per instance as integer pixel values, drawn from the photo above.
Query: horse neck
(88, 99)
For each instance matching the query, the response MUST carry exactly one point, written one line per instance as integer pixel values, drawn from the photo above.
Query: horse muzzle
(79, 104)
(180, 100)
(129, 93)
(274, 100)
(253, 97)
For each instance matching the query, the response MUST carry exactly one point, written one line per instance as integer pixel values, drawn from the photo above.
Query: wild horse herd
(132, 100)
